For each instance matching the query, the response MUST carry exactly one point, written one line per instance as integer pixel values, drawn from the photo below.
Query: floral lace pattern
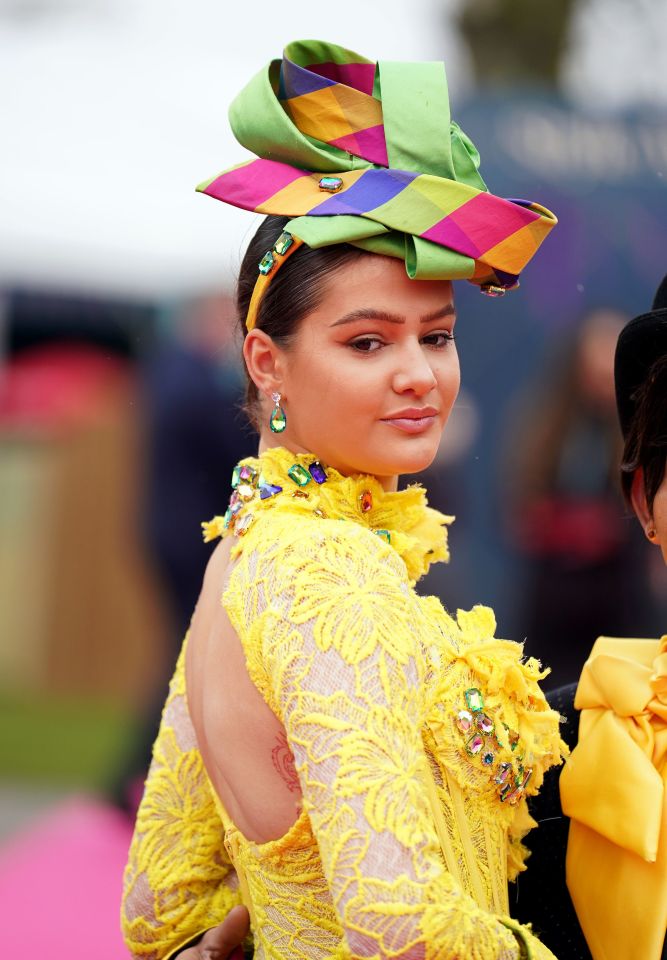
(179, 880)
(402, 849)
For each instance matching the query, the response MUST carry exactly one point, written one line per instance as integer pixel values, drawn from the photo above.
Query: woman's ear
(265, 362)
(640, 504)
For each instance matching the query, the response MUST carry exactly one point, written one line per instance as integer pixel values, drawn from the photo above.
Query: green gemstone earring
(278, 419)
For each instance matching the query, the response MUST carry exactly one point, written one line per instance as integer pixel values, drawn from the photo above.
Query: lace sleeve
(178, 881)
(328, 622)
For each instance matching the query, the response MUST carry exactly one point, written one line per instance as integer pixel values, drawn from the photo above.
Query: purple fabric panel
(506, 279)
(296, 80)
(371, 190)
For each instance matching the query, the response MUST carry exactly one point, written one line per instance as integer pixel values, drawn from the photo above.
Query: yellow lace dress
(416, 737)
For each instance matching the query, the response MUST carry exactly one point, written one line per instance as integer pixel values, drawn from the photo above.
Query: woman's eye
(439, 340)
(366, 344)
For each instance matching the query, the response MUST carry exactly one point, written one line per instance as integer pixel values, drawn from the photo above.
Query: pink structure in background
(60, 885)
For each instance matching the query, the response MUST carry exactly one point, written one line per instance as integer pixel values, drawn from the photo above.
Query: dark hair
(296, 289)
(646, 441)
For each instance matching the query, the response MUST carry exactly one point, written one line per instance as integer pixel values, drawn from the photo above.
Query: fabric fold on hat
(408, 183)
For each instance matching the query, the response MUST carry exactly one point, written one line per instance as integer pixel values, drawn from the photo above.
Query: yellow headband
(269, 265)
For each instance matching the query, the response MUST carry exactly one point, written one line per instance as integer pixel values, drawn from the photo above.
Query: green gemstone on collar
(236, 476)
(300, 476)
(283, 243)
(384, 534)
(331, 184)
(474, 699)
(267, 263)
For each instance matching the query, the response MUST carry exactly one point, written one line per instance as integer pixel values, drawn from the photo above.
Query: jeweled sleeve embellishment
(481, 743)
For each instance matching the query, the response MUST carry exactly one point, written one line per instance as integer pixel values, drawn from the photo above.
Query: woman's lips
(412, 421)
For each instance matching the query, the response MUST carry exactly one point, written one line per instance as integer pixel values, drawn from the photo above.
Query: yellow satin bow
(613, 789)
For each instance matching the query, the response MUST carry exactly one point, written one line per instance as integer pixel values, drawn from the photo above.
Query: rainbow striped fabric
(407, 177)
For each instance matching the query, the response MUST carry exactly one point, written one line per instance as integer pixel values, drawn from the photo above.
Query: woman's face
(370, 380)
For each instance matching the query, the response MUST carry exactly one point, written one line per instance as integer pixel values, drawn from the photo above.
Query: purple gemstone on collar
(317, 472)
(246, 472)
(269, 490)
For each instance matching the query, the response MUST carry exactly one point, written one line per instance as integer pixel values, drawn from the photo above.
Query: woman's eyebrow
(367, 313)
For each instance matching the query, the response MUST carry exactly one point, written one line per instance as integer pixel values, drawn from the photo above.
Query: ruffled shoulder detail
(301, 485)
(501, 734)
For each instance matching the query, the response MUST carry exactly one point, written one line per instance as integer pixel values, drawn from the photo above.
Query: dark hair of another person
(295, 291)
(646, 442)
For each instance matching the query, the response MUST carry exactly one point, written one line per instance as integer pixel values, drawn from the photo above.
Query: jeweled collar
(302, 484)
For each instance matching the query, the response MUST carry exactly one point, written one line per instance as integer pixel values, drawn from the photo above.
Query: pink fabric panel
(448, 234)
(252, 184)
(358, 75)
(368, 144)
(488, 220)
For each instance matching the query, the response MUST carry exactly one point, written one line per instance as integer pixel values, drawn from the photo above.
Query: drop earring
(278, 419)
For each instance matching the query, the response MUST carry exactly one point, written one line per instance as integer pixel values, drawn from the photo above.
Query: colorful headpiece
(364, 153)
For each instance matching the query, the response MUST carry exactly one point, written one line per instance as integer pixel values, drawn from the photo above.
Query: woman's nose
(414, 373)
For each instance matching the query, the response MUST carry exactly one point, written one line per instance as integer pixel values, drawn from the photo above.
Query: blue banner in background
(605, 177)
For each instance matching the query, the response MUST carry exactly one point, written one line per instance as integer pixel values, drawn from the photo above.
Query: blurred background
(119, 380)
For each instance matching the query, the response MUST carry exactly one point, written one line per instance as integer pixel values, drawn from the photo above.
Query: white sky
(112, 111)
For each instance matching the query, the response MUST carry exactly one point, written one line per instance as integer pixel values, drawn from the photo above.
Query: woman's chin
(403, 458)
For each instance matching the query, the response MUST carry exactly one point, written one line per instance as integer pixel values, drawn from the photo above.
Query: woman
(369, 756)
(613, 785)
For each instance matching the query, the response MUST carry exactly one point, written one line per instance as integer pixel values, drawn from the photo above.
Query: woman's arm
(178, 881)
(335, 620)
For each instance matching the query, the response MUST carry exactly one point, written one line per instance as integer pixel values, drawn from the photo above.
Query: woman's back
(241, 740)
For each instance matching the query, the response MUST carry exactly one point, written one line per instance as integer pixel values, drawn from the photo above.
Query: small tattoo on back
(283, 761)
